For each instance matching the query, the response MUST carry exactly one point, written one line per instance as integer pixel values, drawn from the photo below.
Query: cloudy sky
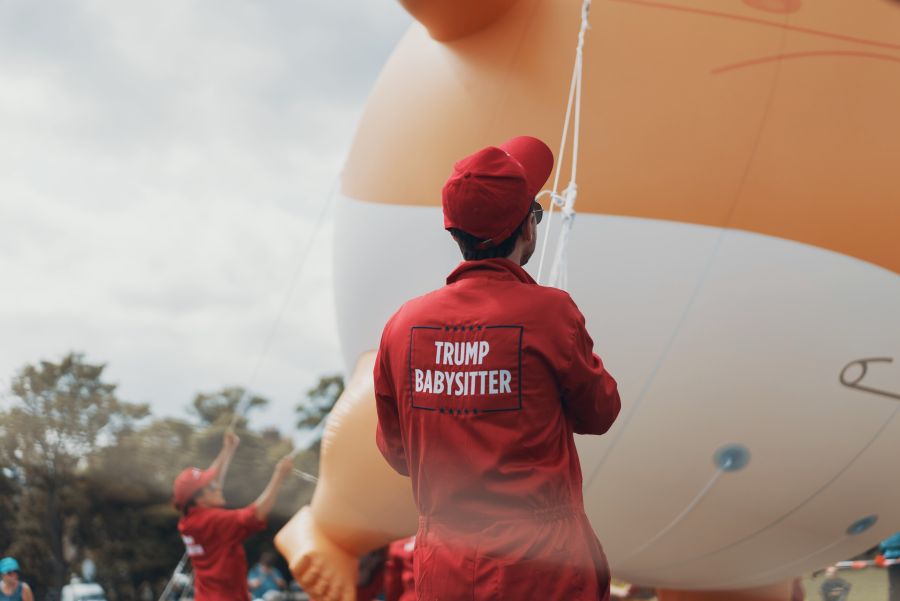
(163, 169)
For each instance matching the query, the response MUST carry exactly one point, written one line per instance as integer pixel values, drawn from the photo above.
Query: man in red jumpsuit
(479, 387)
(213, 535)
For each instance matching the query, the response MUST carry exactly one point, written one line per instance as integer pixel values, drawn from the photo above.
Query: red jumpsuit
(399, 578)
(214, 539)
(479, 387)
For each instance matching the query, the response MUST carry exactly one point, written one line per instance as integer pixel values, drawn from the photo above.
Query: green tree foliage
(8, 493)
(214, 407)
(60, 413)
(311, 414)
(82, 472)
(127, 520)
(319, 401)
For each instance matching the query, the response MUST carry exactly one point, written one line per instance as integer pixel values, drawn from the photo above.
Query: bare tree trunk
(53, 524)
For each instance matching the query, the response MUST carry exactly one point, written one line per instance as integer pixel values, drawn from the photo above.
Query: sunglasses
(537, 210)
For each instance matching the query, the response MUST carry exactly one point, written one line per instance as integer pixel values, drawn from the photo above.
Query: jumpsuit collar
(494, 269)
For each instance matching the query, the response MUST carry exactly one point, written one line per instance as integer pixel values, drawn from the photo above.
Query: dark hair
(186, 507)
(468, 244)
(191, 502)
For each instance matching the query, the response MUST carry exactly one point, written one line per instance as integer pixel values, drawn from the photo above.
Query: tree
(224, 404)
(60, 414)
(127, 520)
(319, 401)
(82, 471)
(9, 491)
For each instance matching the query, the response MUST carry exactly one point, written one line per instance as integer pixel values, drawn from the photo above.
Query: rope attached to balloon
(565, 200)
(320, 221)
(178, 570)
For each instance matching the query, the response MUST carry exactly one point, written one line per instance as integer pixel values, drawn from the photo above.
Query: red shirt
(213, 538)
(479, 387)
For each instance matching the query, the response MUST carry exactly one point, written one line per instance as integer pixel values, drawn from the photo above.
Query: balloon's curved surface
(736, 253)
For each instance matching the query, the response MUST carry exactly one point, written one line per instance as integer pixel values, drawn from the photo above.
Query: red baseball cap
(490, 192)
(188, 482)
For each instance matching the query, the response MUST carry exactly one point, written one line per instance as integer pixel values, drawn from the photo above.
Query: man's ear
(530, 229)
(448, 20)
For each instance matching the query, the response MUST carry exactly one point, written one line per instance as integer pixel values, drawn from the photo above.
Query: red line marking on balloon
(807, 30)
(794, 55)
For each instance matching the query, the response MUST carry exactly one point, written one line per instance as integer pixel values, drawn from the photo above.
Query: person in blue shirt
(264, 577)
(834, 588)
(11, 588)
(890, 549)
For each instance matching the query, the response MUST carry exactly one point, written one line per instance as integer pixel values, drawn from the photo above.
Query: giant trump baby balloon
(736, 253)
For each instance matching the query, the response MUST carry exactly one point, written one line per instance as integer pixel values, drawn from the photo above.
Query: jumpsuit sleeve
(388, 435)
(235, 525)
(590, 394)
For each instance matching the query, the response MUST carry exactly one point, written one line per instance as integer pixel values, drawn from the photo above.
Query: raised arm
(230, 442)
(266, 500)
(451, 19)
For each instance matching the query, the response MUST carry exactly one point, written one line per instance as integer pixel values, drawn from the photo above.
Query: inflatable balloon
(736, 253)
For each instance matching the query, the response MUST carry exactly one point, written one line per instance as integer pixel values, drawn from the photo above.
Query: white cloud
(162, 169)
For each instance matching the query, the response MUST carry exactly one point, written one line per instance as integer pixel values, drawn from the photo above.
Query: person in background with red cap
(479, 388)
(214, 535)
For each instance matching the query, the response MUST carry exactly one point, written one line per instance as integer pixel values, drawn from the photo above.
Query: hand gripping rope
(565, 200)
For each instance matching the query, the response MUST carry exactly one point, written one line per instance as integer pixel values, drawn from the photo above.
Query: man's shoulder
(518, 301)
(530, 298)
(205, 515)
(538, 299)
(554, 295)
(519, 291)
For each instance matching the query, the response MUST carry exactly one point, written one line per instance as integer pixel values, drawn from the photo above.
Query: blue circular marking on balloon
(861, 525)
(732, 458)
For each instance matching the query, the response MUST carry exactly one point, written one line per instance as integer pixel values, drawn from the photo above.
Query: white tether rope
(566, 200)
